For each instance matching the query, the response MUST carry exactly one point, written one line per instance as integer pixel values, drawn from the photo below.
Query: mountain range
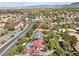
(73, 4)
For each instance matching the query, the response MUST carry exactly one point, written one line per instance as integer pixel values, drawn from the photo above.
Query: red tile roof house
(13, 25)
(38, 45)
(29, 51)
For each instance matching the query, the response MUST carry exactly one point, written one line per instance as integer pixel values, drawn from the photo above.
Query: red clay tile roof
(30, 51)
(38, 43)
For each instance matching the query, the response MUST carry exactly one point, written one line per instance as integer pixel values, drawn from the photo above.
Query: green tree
(49, 46)
(36, 24)
(70, 39)
(59, 50)
(73, 41)
(29, 33)
(19, 48)
(45, 26)
(22, 40)
(12, 52)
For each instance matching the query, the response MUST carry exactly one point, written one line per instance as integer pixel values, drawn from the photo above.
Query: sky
(20, 4)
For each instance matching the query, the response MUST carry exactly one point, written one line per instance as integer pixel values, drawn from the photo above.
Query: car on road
(12, 35)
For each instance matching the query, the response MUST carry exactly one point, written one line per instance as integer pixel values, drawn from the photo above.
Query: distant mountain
(75, 4)
(46, 6)
(38, 6)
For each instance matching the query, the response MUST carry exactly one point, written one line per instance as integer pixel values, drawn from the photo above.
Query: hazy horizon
(21, 4)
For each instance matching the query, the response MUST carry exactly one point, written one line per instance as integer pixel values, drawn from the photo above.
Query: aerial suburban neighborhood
(40, 31)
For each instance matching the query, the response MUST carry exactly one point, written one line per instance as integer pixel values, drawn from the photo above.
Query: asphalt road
(12, 42)
(8, 36)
